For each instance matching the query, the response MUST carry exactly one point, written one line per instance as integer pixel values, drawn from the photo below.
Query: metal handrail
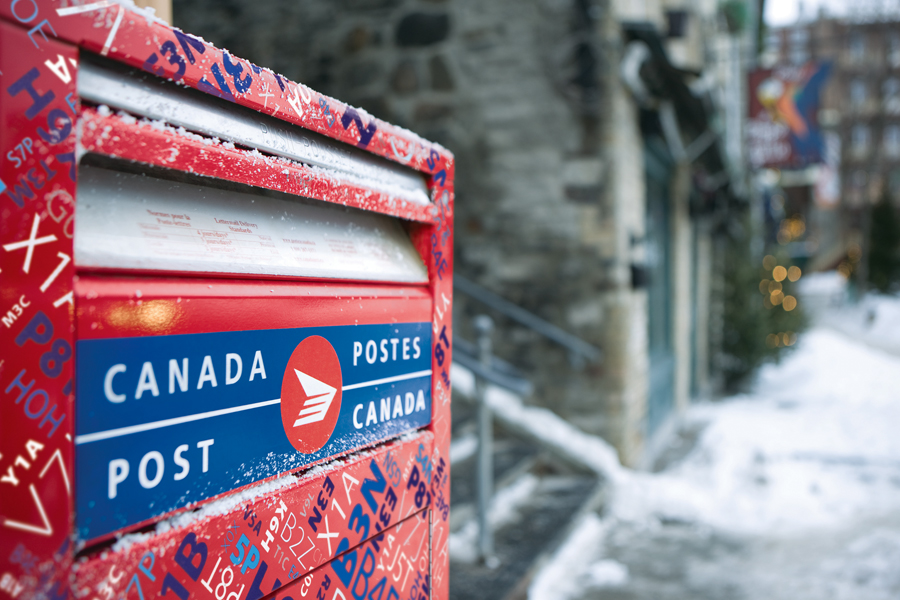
(575, 345)
(500, 372)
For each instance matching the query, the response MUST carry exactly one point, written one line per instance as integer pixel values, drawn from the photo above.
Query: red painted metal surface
(40, 119)
(269, 538)
(37, 113)
(392, 566)
(131, 306)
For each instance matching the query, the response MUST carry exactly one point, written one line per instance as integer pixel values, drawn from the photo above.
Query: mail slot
(227, 330)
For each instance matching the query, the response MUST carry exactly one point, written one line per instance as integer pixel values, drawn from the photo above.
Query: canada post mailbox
(226, 319)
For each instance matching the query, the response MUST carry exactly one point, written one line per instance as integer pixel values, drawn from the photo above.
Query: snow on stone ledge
(544, 425)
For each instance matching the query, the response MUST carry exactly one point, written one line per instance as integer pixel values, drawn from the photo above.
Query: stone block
(441, 79)
(405, 79)
(361, 74)
(357, 38)
(432, 111)
(422, 29)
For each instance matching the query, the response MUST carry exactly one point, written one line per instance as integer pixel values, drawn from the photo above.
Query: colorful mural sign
(782, 125)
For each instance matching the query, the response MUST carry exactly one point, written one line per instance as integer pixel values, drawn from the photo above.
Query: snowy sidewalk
(791, 492)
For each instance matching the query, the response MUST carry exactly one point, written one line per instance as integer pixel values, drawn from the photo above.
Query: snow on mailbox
(226, 324)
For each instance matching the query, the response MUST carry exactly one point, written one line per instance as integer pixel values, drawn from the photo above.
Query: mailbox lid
(188, 389)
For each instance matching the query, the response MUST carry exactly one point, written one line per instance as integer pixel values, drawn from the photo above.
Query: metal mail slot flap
(143, 94)
(135, 222)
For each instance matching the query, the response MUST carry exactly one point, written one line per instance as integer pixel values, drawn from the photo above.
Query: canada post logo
(311, 394)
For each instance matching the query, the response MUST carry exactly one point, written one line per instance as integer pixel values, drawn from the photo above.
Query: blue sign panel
(164, 421)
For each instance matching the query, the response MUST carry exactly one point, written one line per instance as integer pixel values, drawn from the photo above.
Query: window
(799, 36)
(678, 23)
(773, 42)
(892, 141)
(799, 46)
(857, 93)
(894, 184)
(857, 47)
(860, 139)
(799, 55)
(890, 91)
(893, 48)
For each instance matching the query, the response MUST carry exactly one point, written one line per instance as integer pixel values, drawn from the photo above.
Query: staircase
(546, 473)
(535, 499)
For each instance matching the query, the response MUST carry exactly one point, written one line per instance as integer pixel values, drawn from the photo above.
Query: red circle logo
(311, 394)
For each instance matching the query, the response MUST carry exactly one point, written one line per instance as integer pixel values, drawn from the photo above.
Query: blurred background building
(859, 117)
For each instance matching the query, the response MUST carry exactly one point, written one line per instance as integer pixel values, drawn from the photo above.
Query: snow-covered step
(546, 471)
(531, 517)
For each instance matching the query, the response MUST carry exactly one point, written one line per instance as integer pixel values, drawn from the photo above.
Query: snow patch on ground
(814, 445)
(874, 320)
(805, 468)
(829, 283)
(607, 573)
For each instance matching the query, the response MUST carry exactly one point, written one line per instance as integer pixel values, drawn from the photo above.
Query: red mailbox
(227, 325)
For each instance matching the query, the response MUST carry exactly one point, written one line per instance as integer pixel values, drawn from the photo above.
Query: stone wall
(549, 160)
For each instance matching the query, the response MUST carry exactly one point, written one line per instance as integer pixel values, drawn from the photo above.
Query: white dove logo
(319, 394)
(310, 408)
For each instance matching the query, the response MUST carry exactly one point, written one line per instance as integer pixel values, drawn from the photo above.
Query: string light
(790, 229)
(782, 338)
